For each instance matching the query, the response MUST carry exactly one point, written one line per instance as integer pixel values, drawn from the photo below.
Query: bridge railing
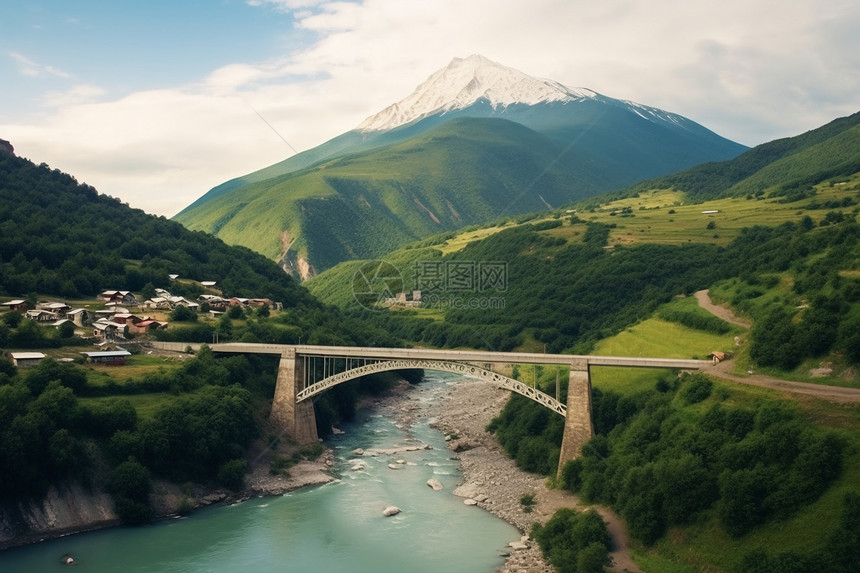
(579, 362)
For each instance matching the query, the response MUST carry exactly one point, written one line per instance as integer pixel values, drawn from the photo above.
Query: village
(118, 318)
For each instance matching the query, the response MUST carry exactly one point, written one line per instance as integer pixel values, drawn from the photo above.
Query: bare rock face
(65, 509)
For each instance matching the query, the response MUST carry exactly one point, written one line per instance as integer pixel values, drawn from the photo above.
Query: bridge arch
(445, 366)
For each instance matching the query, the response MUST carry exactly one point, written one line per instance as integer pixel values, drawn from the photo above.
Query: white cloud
(751, 71)
(30, 68)
(78, 94)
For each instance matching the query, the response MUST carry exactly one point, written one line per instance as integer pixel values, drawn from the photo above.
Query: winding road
(723, 369)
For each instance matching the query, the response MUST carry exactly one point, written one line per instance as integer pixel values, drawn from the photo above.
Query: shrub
(130, 484)
(574, 542)
(696, 388)
(232, 474)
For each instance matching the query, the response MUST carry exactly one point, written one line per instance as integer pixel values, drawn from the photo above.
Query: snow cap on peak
(463, 82)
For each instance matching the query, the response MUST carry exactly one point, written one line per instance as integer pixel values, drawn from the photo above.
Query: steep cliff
(69, 508)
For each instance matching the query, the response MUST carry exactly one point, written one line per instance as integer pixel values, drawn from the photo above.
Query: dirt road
(720, 311)
(724, 369)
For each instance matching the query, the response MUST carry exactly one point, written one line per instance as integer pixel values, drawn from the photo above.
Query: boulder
(467, 490)
(461, 445)
(435, 484)
(390, 510)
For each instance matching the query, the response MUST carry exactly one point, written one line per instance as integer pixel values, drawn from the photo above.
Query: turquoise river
(334, 528)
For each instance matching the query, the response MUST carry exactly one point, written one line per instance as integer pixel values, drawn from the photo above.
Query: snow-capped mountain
(475, 141)
(464, 82)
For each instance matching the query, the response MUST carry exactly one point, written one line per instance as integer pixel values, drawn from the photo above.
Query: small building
(157, 303)
(145, 326)
(16, 305)
(717, 356)
(42, 315)
(125, 318)
(80, 316)
(26, 359)
(119, 297)
(58, 308)
(402, 299)
(107, 330)
(105, 313)
(108, 357)
(182, 301)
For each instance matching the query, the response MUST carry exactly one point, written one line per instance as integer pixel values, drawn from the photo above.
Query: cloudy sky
(156, 102)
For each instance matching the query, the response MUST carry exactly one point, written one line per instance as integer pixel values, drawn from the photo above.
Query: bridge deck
(471, 356)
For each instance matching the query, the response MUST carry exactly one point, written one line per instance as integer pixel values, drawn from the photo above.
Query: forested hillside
(564, 294)
(63, 238)
(781, 166)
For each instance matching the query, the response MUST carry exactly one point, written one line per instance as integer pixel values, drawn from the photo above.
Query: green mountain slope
(790, 163)
(358, 206)
(364, 193)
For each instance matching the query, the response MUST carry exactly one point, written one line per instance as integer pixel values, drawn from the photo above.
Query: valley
(751, 466)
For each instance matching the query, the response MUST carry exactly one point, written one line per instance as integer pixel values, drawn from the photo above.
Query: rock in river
(390, 510)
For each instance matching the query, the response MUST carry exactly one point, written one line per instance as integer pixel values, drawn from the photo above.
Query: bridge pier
(578, 427)
(296, 419)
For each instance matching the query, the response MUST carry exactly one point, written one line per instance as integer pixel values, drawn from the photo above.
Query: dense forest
(63, 238)
(59, 423)
(51, 433)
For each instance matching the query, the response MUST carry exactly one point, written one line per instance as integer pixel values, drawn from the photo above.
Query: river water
(334, 528)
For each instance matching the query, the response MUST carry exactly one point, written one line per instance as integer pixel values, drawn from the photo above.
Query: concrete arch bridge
(305, 371)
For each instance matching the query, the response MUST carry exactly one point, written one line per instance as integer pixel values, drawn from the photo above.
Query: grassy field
(662, 216)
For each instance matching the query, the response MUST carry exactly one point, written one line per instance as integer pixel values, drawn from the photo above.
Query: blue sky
(156, 102)
(124, 46)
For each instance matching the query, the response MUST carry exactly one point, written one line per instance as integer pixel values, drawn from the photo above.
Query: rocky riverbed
(491, 478)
